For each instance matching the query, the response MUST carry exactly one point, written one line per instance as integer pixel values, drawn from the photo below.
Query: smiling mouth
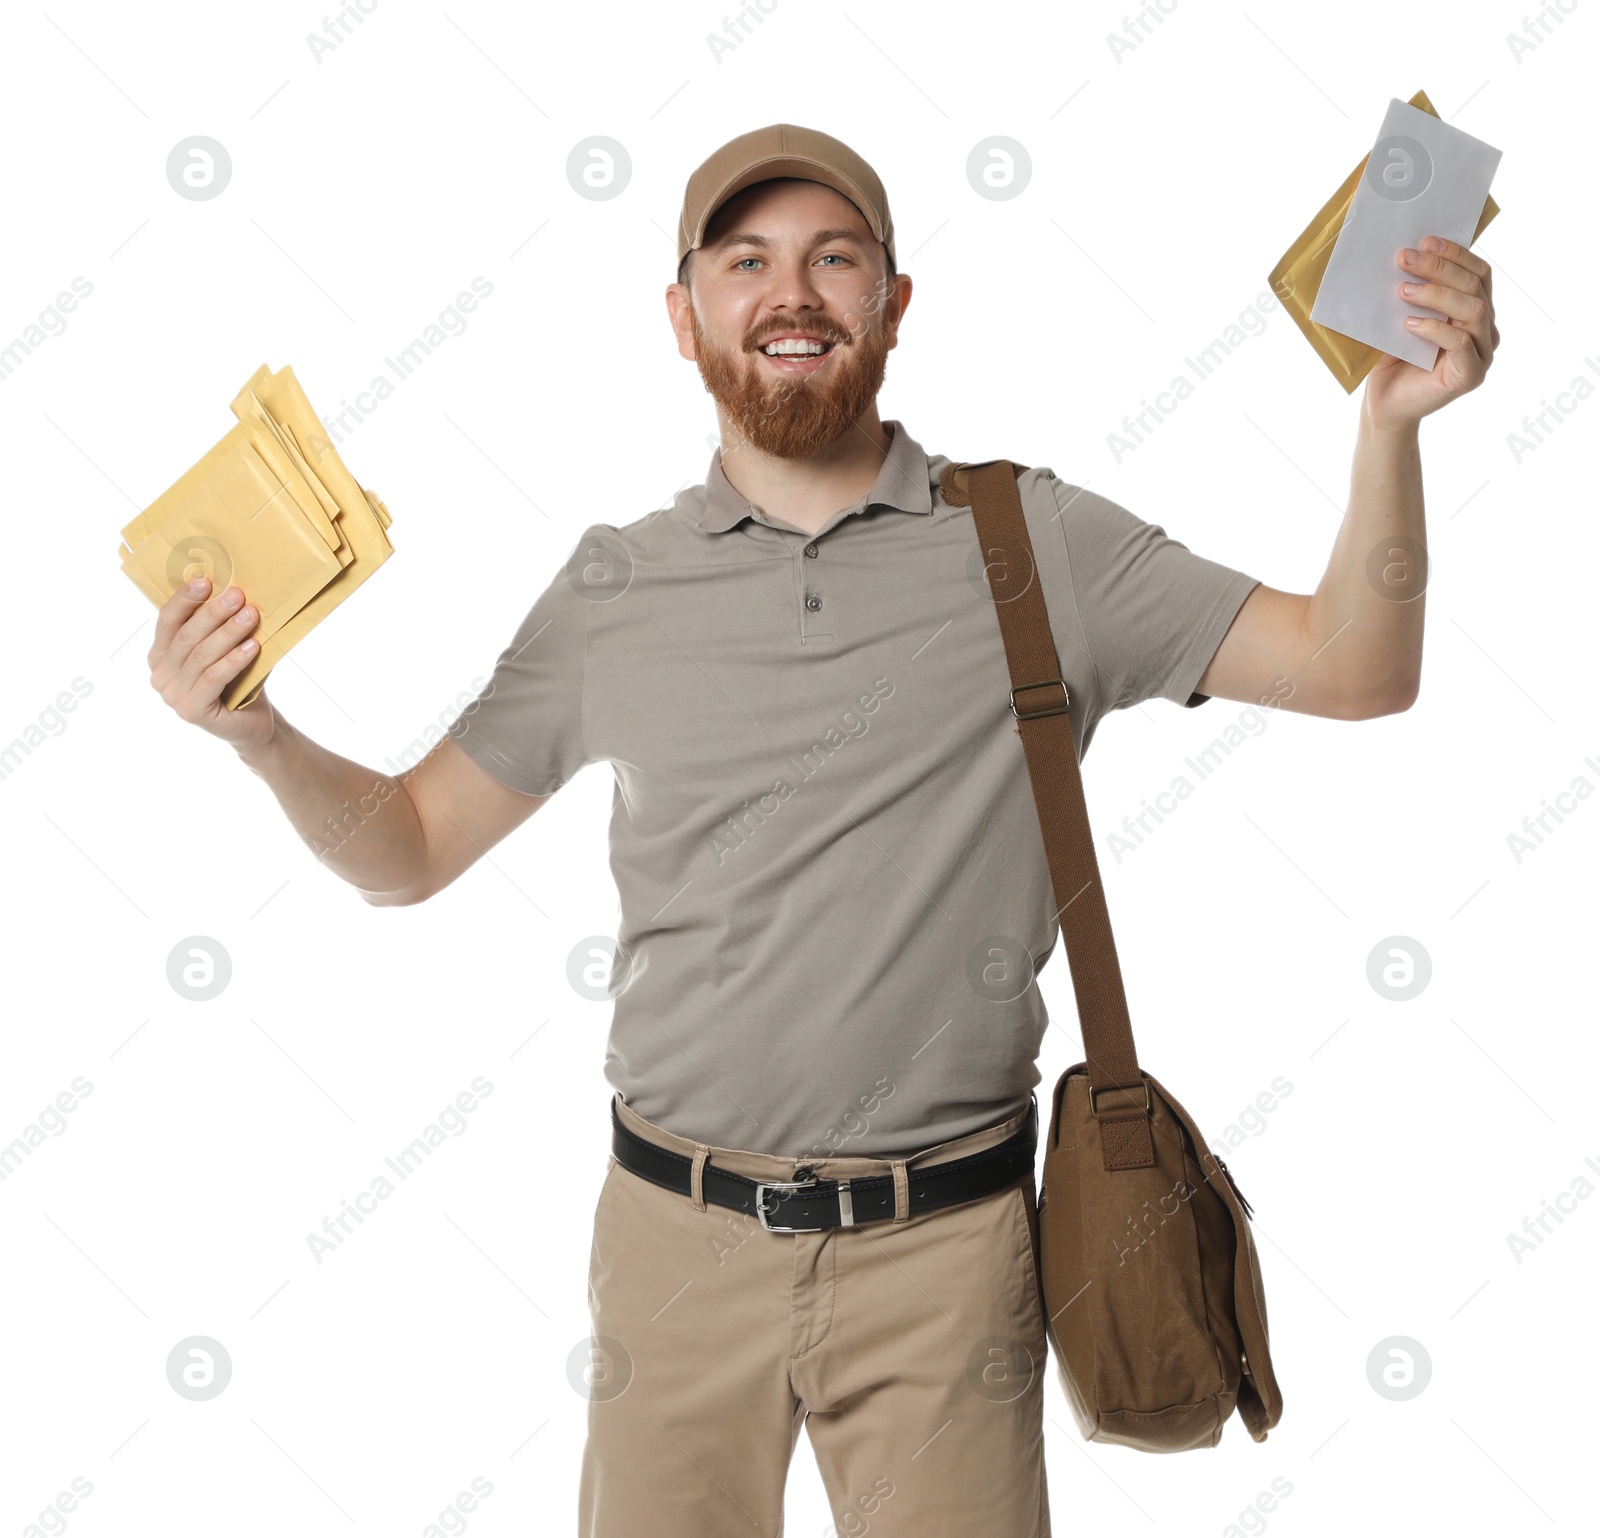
(796, 347)
(797, 356)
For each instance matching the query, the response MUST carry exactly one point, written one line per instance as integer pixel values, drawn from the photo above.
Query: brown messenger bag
(1152, 1287)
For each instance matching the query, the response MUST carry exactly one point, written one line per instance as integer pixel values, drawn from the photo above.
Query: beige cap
(781, 150)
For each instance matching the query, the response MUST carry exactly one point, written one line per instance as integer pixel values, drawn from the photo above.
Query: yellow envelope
(363, 519)
(272, 509)
(1298, 275)
(231, 518)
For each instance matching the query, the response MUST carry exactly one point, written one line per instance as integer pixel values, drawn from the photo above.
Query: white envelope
(1422, 178)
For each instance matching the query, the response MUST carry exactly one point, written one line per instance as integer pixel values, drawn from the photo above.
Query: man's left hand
(1446, 277)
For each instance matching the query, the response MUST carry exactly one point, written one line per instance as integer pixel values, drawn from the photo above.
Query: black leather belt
(807, 1203)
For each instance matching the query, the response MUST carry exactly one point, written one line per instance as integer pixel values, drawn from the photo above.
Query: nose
(793, 287)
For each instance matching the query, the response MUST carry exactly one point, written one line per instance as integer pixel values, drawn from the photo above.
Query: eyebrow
(822, 237)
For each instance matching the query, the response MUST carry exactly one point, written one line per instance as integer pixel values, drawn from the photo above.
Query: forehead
(785, 205)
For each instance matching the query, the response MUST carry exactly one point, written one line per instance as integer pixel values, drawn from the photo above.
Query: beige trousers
(912, 1350)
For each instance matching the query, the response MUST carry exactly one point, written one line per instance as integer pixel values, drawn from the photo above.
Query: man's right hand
(201, 645)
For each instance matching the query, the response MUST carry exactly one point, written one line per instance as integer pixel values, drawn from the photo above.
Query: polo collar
(902, 482)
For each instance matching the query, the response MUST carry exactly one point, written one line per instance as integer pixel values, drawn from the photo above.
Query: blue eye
(743, 259)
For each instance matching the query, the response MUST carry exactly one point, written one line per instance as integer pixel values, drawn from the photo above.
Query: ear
(897, 306)
(680, 314)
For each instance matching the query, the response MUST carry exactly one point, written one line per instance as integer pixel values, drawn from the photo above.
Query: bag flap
(1260, 1403)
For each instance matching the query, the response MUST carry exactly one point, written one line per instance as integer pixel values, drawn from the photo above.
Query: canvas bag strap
(1118, 1093)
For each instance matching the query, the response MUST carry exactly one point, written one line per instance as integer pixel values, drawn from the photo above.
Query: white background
(367, 190)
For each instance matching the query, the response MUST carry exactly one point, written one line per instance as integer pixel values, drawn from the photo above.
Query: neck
(806, 493)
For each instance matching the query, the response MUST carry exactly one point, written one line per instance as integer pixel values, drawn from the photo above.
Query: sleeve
(526, 725)
(1153, 612)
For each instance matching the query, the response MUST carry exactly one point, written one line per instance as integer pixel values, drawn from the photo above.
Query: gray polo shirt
(834, 894)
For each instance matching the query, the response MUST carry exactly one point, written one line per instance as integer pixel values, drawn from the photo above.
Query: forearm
(1365, 618)
(361, 824)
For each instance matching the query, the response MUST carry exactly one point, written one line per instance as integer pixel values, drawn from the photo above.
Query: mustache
(811, 333)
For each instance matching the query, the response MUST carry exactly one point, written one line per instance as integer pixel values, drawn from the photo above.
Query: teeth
(793, 345)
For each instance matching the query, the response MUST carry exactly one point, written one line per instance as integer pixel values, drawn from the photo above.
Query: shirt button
(813, 602)
(811, 549)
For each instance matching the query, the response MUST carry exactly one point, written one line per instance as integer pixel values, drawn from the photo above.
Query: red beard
(795, 417)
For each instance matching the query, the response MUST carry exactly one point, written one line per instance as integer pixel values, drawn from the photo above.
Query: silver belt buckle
(847, 1215)
(762, 1187)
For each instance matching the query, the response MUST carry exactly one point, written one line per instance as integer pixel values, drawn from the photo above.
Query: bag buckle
(1094, 1110)
(762, 1187)
(1048, 710)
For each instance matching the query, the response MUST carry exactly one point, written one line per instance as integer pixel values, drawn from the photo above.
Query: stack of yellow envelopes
(272, 510)
(1298, 275)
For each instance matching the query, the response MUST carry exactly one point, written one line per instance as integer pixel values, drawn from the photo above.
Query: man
(834, 895)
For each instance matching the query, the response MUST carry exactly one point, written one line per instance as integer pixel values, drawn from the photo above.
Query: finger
(216, 610)
(1451, 338)
(1458, 255)
(1445, 269)
(226, 668)
(1461, 263)
(176, 611)
(1472, 310)
(190, 697)
(1427, 266)
(171, 661)
(217, 645)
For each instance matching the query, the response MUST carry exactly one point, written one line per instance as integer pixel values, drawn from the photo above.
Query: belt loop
(696, 1184)
(902, 1191)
